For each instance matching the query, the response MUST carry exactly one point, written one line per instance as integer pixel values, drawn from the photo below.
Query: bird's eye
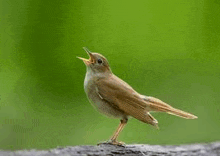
(99, 61)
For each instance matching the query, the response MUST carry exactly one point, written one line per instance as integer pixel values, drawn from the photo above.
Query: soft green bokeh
(168, 49)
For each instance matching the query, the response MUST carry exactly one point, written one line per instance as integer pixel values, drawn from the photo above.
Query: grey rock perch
(209, 149)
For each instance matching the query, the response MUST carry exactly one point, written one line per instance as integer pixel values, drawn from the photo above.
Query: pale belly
(100, 104)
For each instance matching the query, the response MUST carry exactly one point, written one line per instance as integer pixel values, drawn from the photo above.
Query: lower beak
(91, 57)
(86, 61)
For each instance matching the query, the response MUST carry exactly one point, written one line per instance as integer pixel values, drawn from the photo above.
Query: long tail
(182, 114)
(155, 104)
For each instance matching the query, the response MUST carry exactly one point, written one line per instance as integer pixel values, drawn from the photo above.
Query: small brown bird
(114, 97)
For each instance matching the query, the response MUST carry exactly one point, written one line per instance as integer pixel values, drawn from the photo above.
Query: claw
(111, 142)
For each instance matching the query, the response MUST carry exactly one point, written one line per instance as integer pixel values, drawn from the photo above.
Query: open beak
(91, 57)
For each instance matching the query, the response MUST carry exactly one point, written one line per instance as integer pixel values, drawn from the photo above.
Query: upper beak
(91, 57)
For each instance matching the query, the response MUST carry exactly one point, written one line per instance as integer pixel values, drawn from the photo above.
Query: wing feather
(123, 97)
(119, 94)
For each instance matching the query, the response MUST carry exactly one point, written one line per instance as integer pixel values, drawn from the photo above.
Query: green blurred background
(167, 49)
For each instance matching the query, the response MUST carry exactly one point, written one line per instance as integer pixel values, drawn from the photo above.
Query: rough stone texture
(210, 149)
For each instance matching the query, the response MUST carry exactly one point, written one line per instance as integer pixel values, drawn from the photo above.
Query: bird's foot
(112, 142)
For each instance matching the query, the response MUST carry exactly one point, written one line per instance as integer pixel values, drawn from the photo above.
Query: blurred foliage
(166, 49)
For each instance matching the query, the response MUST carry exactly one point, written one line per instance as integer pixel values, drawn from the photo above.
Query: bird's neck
(92, 76)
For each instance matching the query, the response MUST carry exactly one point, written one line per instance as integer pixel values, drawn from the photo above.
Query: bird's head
(96, 62)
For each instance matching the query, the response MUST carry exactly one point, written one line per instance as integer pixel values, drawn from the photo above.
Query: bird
(115, 98)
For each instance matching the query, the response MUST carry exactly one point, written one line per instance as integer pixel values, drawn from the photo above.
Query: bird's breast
(101, 105)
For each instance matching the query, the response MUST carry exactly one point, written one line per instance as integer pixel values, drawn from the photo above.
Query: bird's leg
(119, 129)
(113, 140)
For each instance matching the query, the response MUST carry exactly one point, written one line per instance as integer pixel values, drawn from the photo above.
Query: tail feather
(160, 106)
(182, 114)
(173, 111)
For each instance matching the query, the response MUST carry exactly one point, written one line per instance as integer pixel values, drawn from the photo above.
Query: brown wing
(119, 94)
(123, 97)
